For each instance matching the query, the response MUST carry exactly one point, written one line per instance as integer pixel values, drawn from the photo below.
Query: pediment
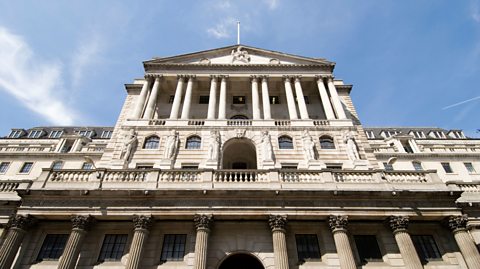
(239, 55)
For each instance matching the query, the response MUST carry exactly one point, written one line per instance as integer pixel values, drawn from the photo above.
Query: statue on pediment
(308, 146)
(129, 145)
(352, 148)
(171, 145)
(240, 56)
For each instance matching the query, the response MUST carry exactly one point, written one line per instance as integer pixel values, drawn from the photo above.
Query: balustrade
(71, 175)
(125, 175)
(185, 175)
(301, 176)
(239, 122)
(354, 177)
(240, 176)
(406, 177)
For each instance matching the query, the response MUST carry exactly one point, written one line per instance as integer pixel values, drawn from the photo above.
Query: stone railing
(283, 123)
(196, 122)
(70, 175)
(179, 175)
(125, 175)
(240, 176)
(156, 122)
(406, 176)
(321, 122)
(301, 176)
(239, 122)
(355, 176)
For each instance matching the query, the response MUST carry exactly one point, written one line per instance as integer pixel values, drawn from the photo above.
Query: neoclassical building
(239, 157)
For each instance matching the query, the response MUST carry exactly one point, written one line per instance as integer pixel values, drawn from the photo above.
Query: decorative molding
(338, 222)
(456, 223)
(22, 222)
(142, 222)
(82, 222)
(277, 222)
(398, 223)
(203, 221)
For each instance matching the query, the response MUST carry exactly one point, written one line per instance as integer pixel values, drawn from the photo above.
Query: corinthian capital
(203, 221)
(22, 222)
(398, 223)
(456, 222)
(277, 222)
(142, 222)
(82, 222)
(337, 222)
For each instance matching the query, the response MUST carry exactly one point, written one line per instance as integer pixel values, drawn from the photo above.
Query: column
(277, 224)
(255, 99)
(337, 104)
(301, 99)
(458, 226)
(266, 99)
(202, 223)
(177, 98)
(137, 112)
(140, 235)
(338, 225)
(327, 106)
(80, 226)
(399, 225)
(152, 100)
(223, 99)
(212, 100)
(18, 227)
(188, 99)
(292, 110)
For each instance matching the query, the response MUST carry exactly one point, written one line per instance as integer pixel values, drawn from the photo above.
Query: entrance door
(241, 261)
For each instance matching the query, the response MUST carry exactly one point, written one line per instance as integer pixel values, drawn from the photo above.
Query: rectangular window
(15, 134)
(274, 100)
(239, 100)
(112, 247)
(417, 166)
(57, 165)
(55, 134)
(469, 166)
(4, 167)
(86, 133)
(190, 166)
(144, 166)
(204, 99)
(388, 167)
(170, 99)
(289, 166)
(367, 247)
(173, 247)
(447, 168)
(52, 247)
(370, 134)
(26, 168)
(106, 134)
(334, 166)
(426, 247)
(307, 101)
(35, 134)
(87, 166)
(307, 246)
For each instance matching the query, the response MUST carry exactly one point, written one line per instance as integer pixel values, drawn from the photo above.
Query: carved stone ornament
(203, 221)
(457, 222)
(240, 55)
(337, 222)
(82, 222)
(398, 223)
(22, 222)
(277, 222)
(142, 222)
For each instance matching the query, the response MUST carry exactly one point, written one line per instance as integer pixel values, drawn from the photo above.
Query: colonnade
(147, 100)
(337, 223)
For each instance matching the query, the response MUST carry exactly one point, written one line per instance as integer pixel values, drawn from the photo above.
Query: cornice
(412, 156)
(235, 67)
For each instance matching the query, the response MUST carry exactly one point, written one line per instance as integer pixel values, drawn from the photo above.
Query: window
(437, 134)
(152, 142)
(55, 134)
(239, 117)
(106, 134)
(170, 99)
(285, 142)
(326, 142)
(204, 99)
(447, 168)
(57, 165)
(190, 166)
(426, 247)
(144, 166)
(289, 166)
(52, 247)
(418, 134)
(238, 100)
(4, 167)
(307, 246)
(307, 101)
(388, 134)
(15, 134)
(367, 247)
(457, 134)
(86, 133)
(112, 247)
(35, 133)
(67, 146)
(87, 166)
(193, 142)
(469, 166)
(406, 146)
(26, 168)
(417, 166)
(388, 167)
(370, 134)
(173, 247)
(334, 166)
(274, 100)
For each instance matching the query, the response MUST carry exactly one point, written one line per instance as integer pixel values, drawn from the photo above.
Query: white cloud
(223, 29)
(84, 56)
(34, 83)
(272, 4)
(462, 102)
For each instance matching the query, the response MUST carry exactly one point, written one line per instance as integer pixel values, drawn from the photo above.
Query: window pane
(447, 167)
(470, 168)
(193, 142)
(26, 167)
(57, 165)
(426, 247)
(417, 166)
(239, 100)
(113, 247)
(388, 167)
(307, 246)
(367, 247)
(204, 99)
(52, 247)
(326, 142)
(152, 142)
(173, 247)
(4, 167)
(285, 142)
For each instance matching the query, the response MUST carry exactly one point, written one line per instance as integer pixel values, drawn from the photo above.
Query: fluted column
(212, 100)
(177, 99)
(152, 100)
(292, 110)
(222, 104)
(140, 235)
(137, 112)
(188, 99)
(80, 226)
(301, 99)
(255, 99)
(202, 223)
(327, 106)
(266, 99)
(337, 104)
(338, 225)
(277, 224)
(458, 226)
(399, 226)
(18, 227)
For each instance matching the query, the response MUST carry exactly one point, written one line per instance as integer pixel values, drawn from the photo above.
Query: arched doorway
(241, 261)
(239, 153)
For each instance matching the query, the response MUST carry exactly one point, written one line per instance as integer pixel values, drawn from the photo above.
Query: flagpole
(238, 32)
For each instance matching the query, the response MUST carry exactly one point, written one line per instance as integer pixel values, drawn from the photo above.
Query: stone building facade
(239, 157)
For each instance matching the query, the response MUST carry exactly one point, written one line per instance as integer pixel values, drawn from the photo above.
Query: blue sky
(412, 62)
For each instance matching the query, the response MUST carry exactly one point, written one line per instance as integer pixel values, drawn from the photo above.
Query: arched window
(326, 142)
(285, 142)
(57, 165)
(152, 142)
(193, 142)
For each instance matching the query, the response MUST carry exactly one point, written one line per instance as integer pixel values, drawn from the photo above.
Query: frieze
(277, 222)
